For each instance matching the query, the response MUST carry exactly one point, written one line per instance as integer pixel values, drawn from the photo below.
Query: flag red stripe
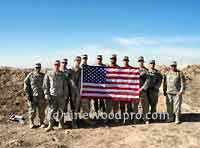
(114, 72)
(114, 67)
(122, 99)
(116, 88)
(126, 83)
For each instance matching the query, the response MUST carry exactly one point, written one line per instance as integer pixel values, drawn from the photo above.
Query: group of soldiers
(60, 88)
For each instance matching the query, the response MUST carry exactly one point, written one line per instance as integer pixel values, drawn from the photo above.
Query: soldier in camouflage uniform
(124, 104)
(74, 93)
(84, 60)
(85, 103)
(111, 104)
(35, 96)
(56, 92)
(173, 88)
(155, 83)
(144, 84)
(64, 68)
(99, 104)
(66, 71)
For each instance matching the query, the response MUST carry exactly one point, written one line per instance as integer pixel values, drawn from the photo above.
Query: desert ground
(158, 134)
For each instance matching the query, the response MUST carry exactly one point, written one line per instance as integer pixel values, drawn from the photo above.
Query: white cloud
(142, 40)
(136, 41)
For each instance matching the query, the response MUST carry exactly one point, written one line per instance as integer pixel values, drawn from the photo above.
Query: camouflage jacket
(174, 82)
(33, 84)
(71, 84)
(144, 78)
(75, 75)
(55, 84)
(155, 79)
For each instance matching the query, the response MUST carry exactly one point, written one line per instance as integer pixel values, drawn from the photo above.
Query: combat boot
(42, 125)
(147, 122)
(74, 124)
(49, 128)
(177, 120)
(61, 124)
(31, 124)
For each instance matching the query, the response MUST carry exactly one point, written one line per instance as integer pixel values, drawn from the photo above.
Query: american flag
(116, 83)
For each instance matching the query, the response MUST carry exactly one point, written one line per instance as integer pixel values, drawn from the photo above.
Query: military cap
(114, 56)
(140, 58)
(77, 58)
(37, 65)
(125, 58)
(64, 60)
(152, 62)
(99, 57)
(57, 62)
(173, 63)
(85, 56)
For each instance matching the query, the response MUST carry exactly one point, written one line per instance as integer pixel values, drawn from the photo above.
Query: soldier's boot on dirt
(89, 123)
(74, 124)
(31, 124)
(61, 124)
(42, 125)
(50, 127)
(177, 120)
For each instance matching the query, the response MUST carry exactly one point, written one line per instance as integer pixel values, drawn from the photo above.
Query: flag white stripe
(112, 85)
(109, 90)
(109, 95)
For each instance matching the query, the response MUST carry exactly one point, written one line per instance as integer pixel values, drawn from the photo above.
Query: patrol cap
(85, 56)
(125, 58)
(78, 58)
(152, 62)
(64, 60)
(140, 58)
(37, 65)
(173, 63)
(99, 57)
(57, 62)
(113, 56)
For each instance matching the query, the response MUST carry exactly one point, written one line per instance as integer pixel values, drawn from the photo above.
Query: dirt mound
(11, 91)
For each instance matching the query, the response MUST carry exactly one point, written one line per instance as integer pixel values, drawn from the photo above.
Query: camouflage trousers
(99, 104)
(85, 105)
(144, 102)
(37, 103)
(112, 105)
(153, 99)
(56, 106)
(173, 103)
(126, 106)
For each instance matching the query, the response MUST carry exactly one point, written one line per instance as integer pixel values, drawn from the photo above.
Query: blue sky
(44, 30)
